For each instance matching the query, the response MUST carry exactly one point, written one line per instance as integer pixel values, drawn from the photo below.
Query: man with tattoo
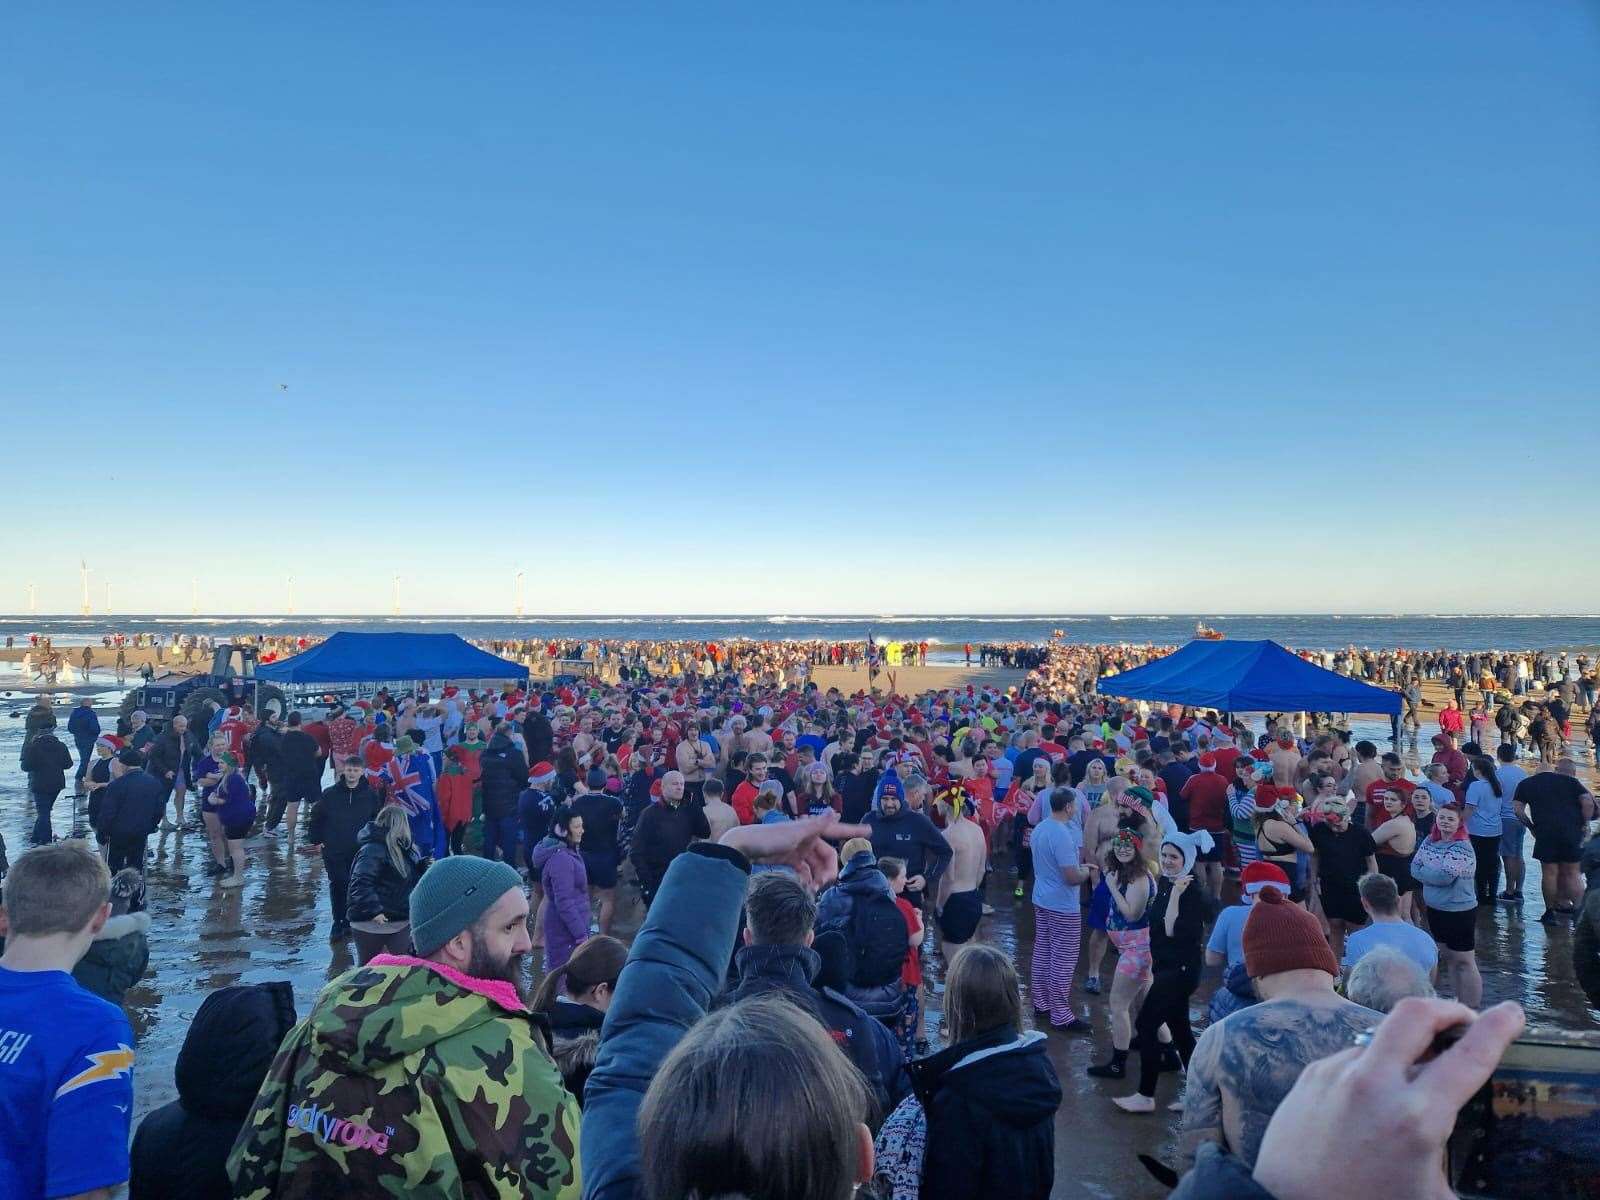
(1246, 1063)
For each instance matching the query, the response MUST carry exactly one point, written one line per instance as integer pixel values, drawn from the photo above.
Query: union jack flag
(410, 780)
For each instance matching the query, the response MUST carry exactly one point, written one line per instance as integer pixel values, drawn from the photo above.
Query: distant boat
(1206, 633)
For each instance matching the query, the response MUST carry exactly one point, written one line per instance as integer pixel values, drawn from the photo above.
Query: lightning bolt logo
(108, 1064)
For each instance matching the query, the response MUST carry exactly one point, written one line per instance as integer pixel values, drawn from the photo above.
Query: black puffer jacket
(181, 1148)
(339, 816)
(504, 775)
(375, 886)
(991, 1106)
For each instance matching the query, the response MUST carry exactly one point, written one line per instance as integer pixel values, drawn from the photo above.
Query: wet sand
(909, 681)
(277, 927)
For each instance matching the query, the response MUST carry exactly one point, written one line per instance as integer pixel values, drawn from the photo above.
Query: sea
(946, 634)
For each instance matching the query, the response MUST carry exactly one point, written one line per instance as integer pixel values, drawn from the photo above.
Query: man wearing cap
(1245, 1064)
(420, 1074)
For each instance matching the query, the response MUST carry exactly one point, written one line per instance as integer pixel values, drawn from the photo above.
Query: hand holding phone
(1390, 1099)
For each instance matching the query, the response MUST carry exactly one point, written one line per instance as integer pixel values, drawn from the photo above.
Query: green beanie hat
(452, 894)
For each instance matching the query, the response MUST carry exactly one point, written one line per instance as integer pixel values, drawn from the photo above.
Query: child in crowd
(911, 1041)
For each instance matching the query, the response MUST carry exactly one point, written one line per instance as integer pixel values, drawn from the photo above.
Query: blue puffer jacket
(674, 971)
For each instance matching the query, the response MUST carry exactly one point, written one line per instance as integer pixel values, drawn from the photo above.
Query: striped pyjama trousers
(1056, 937)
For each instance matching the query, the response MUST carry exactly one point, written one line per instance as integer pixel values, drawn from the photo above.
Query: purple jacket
(566, 887)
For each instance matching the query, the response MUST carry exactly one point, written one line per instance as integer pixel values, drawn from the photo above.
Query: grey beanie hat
(452, 894)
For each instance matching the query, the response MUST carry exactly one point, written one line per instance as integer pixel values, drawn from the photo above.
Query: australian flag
(411, 785)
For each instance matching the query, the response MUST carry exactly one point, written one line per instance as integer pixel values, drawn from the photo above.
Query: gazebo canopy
(1259, 676)
(373, 657)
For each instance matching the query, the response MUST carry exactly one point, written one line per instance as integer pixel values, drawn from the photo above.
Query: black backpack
(878, 940)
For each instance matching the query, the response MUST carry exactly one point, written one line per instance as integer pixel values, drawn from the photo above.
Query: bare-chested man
(719, 813)
(960, 901)
(756, 739)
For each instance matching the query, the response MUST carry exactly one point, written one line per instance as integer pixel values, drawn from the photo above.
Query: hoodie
(912, 838)
(181, 1149)
(991, 1104)
(117, 957)
(411, 1078)
(566, 887)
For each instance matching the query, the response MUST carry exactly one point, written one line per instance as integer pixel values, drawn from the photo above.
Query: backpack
(877, 935)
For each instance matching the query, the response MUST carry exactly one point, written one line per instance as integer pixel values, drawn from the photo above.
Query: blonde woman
(386, 868)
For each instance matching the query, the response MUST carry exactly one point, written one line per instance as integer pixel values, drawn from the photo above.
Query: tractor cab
(230, 681)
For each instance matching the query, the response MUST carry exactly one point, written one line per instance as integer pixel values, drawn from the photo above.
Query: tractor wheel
(197, 714)
(270, 699)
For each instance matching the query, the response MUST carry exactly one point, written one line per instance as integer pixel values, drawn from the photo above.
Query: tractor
(231, 680)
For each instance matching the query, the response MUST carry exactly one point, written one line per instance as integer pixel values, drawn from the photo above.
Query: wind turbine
(397, 595)
(108, 597)
(291, 595)
(519, 595)
(83, 570)
(33, 602)
(194, 595)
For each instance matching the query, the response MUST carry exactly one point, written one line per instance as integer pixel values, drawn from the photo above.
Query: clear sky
(1039, 307)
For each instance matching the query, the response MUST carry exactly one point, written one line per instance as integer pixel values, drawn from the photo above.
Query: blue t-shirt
(66, 1087)
(1483, 809)
(1056, 844)
(1227, 935)
(1401, 935)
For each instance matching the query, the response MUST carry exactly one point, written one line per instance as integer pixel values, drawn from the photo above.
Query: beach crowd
(811, 1007)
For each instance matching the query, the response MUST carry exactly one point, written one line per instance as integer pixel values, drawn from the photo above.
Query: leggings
(1167, 1003)
(1487, 850)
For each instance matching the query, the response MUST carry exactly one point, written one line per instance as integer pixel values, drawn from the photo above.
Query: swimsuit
(1131, 938)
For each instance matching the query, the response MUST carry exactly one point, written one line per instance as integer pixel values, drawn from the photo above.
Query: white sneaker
(1135, 1103)
(232, 881)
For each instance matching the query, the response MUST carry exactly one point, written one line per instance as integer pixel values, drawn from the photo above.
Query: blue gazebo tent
(381, 657)
(1262, 676)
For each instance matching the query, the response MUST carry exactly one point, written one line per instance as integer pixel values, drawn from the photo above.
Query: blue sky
(873, 307)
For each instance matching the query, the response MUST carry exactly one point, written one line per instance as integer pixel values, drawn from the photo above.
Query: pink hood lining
(498, 990)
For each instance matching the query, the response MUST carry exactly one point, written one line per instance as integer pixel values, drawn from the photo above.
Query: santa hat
(108, 741)
(541, 775)
(1208, 761)
(1260, 875)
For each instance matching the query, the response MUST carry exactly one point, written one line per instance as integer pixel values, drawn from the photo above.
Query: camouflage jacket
(410, 1080)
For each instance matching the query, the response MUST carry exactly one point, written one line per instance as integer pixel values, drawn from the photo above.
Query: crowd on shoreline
(856, 838)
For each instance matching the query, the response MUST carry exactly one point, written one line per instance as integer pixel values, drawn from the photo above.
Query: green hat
(405, 746)
(452, 894)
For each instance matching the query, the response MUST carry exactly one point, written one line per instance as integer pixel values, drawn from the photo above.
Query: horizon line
(762, 616)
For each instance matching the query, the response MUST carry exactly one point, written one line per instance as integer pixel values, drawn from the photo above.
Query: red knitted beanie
(1281, 936)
